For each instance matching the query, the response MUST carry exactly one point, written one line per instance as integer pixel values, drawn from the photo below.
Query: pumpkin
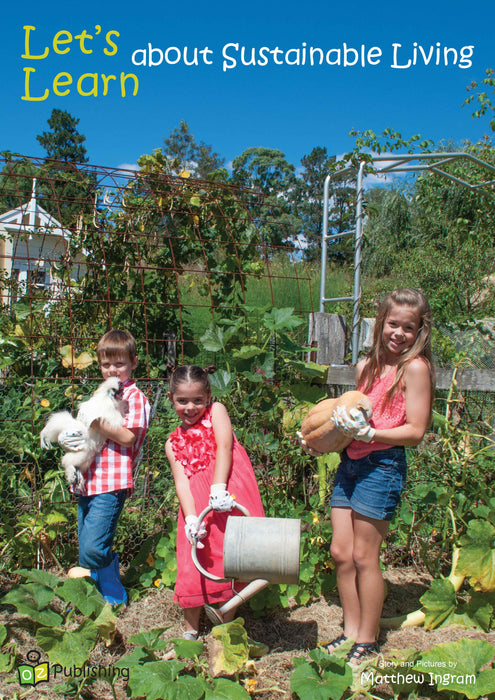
(318, 430)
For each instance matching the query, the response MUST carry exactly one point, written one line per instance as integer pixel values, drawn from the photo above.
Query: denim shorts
(372, 485)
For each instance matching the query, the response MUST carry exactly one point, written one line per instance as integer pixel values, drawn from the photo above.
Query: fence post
(327, 334)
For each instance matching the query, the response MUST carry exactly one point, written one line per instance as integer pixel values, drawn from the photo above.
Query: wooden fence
(327, 334)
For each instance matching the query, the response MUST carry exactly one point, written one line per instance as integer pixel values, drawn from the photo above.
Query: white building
(32, 244)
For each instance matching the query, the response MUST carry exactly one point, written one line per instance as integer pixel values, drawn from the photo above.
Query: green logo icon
(32, 675)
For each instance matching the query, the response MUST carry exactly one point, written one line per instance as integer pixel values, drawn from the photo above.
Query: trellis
(432, 162)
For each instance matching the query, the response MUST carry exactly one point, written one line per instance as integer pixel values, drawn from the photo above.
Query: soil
(288, 634)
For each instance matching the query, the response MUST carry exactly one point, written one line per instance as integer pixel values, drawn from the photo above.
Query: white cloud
(128, 166)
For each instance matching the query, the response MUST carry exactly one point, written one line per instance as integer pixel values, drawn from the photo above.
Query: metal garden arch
(433, 162)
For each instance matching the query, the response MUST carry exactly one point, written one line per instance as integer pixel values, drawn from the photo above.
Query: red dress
(195, 448)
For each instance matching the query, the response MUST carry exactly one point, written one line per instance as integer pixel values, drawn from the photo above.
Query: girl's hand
(192, 533)
(366, 434)
(348, 423)
(354, 425)
(305, 447)
(220, 498)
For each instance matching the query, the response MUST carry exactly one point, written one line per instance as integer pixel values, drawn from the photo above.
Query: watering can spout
(239, 597)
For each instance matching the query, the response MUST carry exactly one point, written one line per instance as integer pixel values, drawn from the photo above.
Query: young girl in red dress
(209, 467)
(398, 378)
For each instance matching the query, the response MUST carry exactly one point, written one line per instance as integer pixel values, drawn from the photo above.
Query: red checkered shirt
(112, 467)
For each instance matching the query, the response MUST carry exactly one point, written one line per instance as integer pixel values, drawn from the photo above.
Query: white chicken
(106, 403)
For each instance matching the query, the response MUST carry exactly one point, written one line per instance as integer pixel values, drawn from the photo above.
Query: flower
(45, 403)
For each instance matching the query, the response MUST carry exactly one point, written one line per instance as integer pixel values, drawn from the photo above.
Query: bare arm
(182, 487)
(121, 435)
(417, 387)
(222, 429)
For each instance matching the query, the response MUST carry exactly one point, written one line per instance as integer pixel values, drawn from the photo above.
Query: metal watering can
(259, 550)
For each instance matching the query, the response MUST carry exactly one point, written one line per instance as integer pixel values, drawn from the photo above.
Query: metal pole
(324, 243)
(357, 263)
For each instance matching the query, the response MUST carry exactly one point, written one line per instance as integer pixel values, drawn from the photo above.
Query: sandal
(190, 635)
(360, 651)
(334, 644)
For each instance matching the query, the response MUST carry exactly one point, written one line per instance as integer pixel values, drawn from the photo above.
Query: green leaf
(307, 684)
(225, 689)
(475, 613)
(477, 555)
(439, 603)
(221, 382)
(68, 648)
(30, 599)
(83, 594)
(106, 624)
(154, 680)
(456, 666)
(150, 639)
(281, 320)
(187, 649)
(39, 576)
(247, 351)
(213, 339)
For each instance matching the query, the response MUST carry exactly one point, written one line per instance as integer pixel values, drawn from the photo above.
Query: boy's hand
(192, 533)
(72, 440)
(220, 498)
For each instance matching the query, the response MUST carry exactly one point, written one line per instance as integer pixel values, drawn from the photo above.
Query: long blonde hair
(420, 348)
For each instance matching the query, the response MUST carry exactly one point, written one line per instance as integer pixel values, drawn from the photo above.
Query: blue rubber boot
(109, 584)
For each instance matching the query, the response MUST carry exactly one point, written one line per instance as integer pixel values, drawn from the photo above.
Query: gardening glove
(72, 440)
(349, 423)
(366, 434)
(305, 447)
(220, 498)
(192, 533)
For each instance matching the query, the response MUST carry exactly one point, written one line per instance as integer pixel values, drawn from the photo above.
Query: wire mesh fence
(84, 249)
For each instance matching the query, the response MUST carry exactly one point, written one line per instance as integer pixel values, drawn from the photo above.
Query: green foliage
(63, 141)
(480, 94)
(325, 677)
(41, 597)
(185, 154)
(455, 669)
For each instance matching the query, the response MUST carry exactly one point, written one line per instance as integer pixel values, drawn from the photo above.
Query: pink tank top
(386, 414)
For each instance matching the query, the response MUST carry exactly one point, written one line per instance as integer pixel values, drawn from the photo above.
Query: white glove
(353, 424)
(72, 440)
(366, 434)
(220, 498)
(348, 423)
(192, 533)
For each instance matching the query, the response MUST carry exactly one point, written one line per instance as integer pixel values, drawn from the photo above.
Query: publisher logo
(30, 674)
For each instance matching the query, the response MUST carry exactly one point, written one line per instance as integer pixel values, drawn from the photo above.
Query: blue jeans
(98, 517)
(372, 485)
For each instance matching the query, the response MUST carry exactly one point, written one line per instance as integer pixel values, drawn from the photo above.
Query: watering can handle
(194, 546)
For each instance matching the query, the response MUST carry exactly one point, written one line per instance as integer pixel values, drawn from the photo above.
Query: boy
(108, 480)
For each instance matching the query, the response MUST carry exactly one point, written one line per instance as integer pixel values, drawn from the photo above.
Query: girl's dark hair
(420, 348)
(191, 373)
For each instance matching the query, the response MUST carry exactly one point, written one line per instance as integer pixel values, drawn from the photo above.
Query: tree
(185, 154)
(307, 203)
(63, 142)
(265, 170)
(485, 103)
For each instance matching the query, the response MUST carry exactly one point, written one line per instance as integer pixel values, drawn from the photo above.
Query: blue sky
(290, 107)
